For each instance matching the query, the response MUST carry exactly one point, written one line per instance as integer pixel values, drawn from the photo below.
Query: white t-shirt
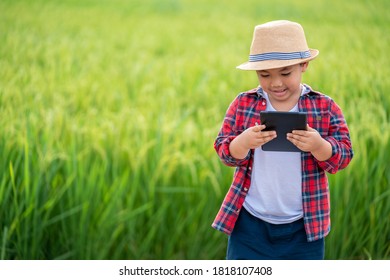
(275, 195)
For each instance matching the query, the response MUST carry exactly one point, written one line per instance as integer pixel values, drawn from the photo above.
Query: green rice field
(109, 110)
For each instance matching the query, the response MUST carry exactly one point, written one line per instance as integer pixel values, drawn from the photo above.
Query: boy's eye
(286, 74)
(264, 75)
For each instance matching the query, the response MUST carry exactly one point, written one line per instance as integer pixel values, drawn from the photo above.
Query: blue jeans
(255, 239)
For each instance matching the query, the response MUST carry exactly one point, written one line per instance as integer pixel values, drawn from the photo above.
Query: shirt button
(263, 103)
(238, 211)
(245, 189)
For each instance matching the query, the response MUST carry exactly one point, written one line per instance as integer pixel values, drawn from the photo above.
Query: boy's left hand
(309, 140)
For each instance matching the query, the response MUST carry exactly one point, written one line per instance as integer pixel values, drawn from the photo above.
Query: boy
(278, 204)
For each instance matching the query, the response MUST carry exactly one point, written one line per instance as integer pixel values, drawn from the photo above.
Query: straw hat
(278, 44)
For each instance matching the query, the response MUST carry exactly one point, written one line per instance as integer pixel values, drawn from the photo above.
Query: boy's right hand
(252, 138)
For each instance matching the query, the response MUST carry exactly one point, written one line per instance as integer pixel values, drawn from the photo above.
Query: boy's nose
(276, 82)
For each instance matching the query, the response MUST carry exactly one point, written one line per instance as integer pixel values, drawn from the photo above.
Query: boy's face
(283, 85)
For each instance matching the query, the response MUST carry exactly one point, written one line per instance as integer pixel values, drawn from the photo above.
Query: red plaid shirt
(326, 117)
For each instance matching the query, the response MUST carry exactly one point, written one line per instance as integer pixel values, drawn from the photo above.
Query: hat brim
(271, 64)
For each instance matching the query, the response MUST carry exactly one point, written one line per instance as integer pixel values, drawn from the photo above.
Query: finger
(266, 139)
(292, 140)
(295, 142)
(294, 137)
(308, 128)
(258, 128)
(262, 141)
(299, 132)
(266, 134)
(269, 138)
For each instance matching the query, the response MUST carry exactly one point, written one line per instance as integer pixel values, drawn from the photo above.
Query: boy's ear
(304, 66)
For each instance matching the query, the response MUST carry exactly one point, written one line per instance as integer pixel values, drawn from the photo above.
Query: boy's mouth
(279, 92)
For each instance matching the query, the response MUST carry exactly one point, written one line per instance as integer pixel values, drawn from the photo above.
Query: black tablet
(282, 123)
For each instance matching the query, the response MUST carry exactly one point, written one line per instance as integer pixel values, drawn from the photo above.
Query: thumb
(308, 128)
(257, 128)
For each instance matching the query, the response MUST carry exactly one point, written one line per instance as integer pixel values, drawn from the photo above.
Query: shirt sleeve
(228, 132)
(339, 138)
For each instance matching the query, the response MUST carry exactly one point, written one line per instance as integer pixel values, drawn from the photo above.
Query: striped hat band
(278, 56)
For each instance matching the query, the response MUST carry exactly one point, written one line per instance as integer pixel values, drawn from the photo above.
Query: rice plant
(109, 110)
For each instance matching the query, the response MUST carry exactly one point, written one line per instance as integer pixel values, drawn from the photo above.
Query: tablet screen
(282, 123)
